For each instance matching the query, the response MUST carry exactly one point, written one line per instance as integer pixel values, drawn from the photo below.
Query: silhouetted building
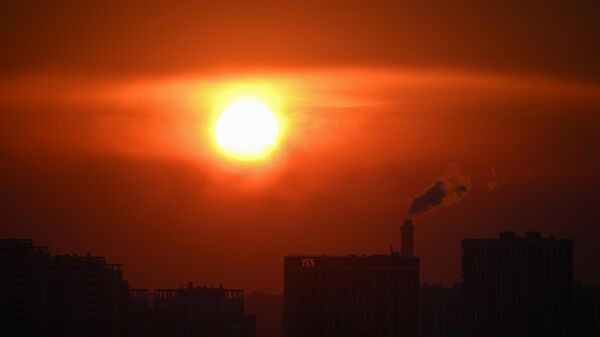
(87, 297)
(24, 276)
(268, 310)
(586, 311)
(83, 296)
(362, 296)
(140, 321)
(517, 286)
(441, 313)
(201, 311)
(65, 295)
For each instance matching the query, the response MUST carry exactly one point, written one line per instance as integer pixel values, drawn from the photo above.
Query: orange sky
(105, 112)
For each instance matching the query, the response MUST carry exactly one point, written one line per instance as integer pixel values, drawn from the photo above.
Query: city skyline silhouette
(531, 277)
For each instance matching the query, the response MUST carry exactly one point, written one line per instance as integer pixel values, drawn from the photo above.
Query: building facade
(88, 297)
(517, 286)
(586, 311)
(139, 314)
(353, 296)
(24, 288)
(63, 295)
(441, 311)
(201, 311)
(362, 296)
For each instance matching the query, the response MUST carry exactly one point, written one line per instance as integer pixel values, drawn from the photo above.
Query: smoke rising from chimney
(450, 187)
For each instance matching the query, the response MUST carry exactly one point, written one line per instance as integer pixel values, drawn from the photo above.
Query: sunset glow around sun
(247, 129)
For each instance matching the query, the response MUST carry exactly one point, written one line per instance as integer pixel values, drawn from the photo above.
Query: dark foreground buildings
(441, 313)
(517, 286)
(83, 296)
(63, 295)
(512, 286)
(201, 311)
(586, 311)
(362, 296)
(189, 312)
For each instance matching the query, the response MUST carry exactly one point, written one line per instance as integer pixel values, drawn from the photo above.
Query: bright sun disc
(247, 130)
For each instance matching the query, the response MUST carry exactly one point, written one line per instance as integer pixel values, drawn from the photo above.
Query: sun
(247, 129)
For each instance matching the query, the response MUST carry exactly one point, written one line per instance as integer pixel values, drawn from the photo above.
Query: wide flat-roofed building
(362, 296)
(202, 311)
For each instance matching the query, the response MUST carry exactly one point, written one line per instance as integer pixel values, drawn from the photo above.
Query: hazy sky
(105, 113)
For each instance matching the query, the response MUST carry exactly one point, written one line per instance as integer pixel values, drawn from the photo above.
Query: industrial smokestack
(407, 238)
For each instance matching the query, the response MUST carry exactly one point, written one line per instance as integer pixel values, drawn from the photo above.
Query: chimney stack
(407, 238)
